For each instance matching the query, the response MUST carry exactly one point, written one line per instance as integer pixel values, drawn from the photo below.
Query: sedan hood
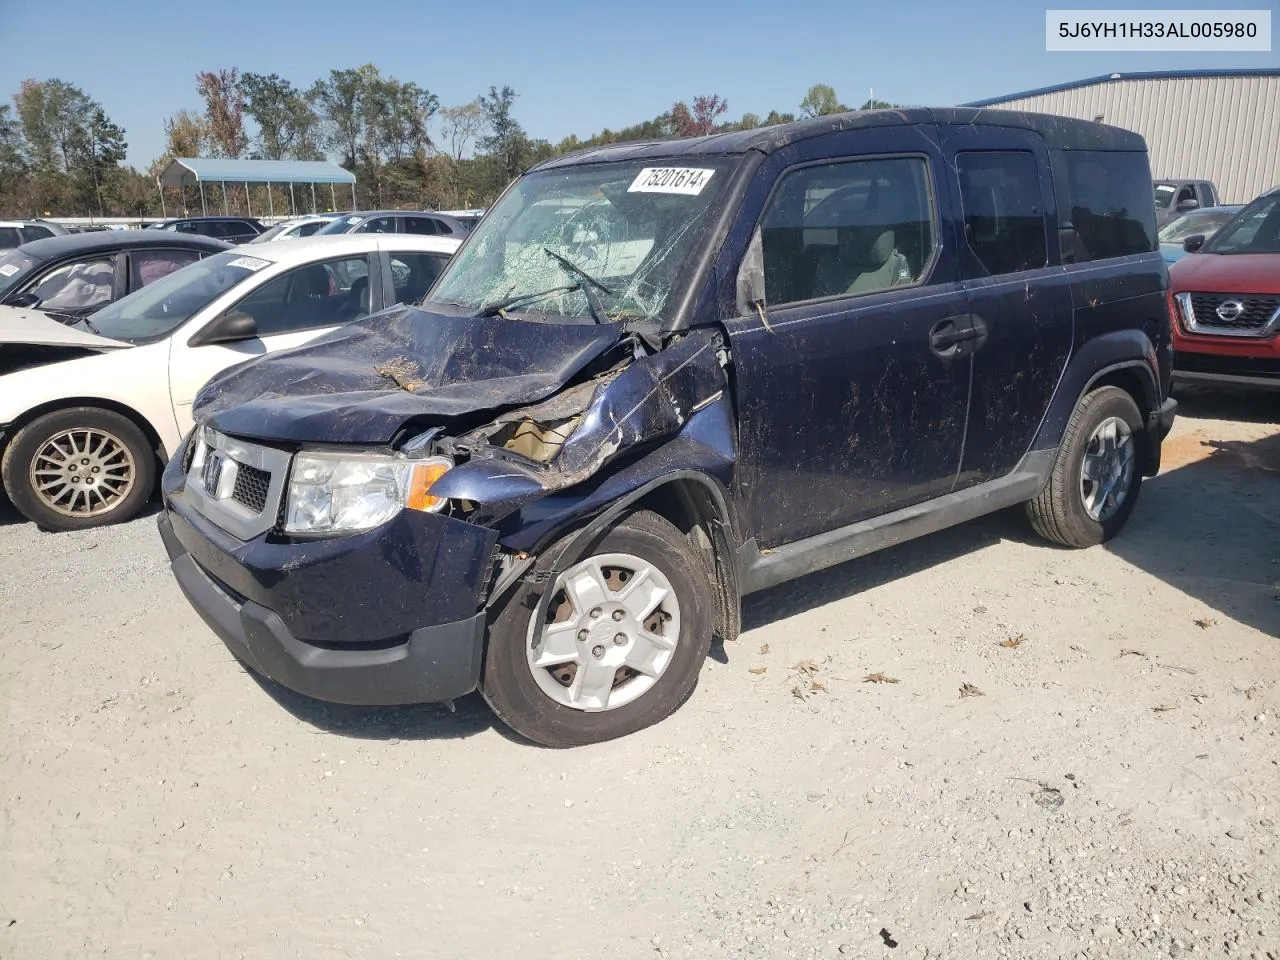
(21, 325)
(363, 382)
(1226, 273)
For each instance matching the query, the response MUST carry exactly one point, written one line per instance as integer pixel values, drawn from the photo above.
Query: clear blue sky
(577, 66)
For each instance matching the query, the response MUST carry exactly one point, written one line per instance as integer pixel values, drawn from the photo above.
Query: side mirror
(1193, 243)
(751, 277)
(1185, 205)
(26, 300)
(228, 328)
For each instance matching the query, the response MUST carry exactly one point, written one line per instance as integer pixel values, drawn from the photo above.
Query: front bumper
(1214, 369)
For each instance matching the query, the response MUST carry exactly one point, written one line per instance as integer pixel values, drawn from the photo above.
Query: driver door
(289, 310)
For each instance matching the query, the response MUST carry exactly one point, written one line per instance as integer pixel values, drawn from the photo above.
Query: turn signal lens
(425, 473)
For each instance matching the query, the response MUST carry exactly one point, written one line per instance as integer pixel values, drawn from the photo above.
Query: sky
(576, 66)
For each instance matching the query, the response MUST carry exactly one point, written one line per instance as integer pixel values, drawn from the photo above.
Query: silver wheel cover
(1107, 469)
(82, 472)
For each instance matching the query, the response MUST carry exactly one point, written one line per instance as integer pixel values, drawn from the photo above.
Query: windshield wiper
(589, 285)
(497, 306)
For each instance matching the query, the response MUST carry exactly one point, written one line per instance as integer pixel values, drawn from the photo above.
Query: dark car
(658, 377)
(14, 233)
(74, 275)
(230, 229)
(396, 221)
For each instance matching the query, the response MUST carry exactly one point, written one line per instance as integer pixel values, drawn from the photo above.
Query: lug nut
(597, 651)
(582, 634)
(620, 638)
(595, 612)
(618, 615)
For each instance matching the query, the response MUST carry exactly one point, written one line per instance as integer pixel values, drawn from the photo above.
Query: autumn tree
(185, 134)
(698, 120)
(224, 111)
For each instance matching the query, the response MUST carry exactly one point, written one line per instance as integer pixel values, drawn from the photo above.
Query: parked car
(86, 408)
(1176, 197)
(741, 359)
(1227, 297)
(14, 233)
(468, 218)
(396, 221)
(231, 229)
(294, 229)
(75, 275)
(1205, 222)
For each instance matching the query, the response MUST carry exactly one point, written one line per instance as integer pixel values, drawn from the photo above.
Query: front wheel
(1097, 475)
(78, 468)
(624, 637)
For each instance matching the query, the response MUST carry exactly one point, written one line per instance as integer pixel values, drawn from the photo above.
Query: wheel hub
(82, 472)
(1107, 469)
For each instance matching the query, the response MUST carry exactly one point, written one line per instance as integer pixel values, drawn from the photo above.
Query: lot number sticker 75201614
(686, 180)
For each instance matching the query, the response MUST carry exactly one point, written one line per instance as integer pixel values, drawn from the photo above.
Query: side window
(10, 238)
(30, 233)
(421, 225)
(847, 228)
(76, 286)
(412, 274)
(1109, 203)
(307, 229)
(315, 295)
(1003, 214)
(377, 225)
(148, 266)
(190, 226)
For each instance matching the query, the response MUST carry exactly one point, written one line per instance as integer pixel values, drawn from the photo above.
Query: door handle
(947, 336)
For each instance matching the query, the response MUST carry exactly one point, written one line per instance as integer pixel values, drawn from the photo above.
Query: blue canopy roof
(184, 170)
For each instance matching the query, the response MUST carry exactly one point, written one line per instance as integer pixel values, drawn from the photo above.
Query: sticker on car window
(684, 180)
(248, 263)
(8, 270)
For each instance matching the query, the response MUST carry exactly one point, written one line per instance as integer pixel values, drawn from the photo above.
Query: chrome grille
(1230, 315)
(236, 484)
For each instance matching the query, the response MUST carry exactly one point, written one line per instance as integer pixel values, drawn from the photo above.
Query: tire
(539, 702)
(1060, 513)
(117, 451)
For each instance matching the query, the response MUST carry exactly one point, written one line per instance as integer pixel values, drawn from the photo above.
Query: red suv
(1227, 301)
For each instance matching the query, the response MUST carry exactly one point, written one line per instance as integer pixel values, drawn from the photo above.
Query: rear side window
(30, 233)
(421, 225)
(1003, 215)
(148, 266)
(412, 274)
(841, 229)
(1109, 202)
(377, 225)
(10, 238)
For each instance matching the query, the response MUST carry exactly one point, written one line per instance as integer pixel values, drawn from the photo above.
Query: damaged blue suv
(660, 376)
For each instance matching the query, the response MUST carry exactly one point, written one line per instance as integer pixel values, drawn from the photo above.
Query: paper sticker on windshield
(8, 270)
(685, 180)
(248, 263)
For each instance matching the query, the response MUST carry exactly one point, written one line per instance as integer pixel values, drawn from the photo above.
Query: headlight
(340, 493)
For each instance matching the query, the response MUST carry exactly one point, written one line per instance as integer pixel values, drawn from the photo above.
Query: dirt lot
(1111, 789)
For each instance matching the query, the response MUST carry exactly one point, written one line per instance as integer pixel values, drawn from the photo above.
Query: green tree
(286, 120)
(775, 118)
(879, 105)
(821, 101)
(461, 125)
(99, 148)
(13, 165)
(506, 139)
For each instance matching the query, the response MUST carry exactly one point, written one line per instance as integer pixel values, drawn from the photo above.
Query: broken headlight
(332, 493)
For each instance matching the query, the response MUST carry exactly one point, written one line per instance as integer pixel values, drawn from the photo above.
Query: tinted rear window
(1108, 200)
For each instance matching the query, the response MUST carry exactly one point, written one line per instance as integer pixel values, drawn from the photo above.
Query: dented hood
(362, 382)
(21, 325)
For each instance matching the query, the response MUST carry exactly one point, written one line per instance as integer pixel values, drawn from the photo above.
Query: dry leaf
(969, 690)
(1012, 642)
(807, 667)
(1199, 697)
(797, 692)
(879, 678)
(816, 687)
(977, 916)
(1249, 692)
(1079, 649)
(1132, 653)
(1204, 623)
(764, 648)
(1165, 707)
(757, 670)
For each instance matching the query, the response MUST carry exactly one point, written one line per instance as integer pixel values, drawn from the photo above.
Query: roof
(105, 240)
(1062, 132)
(1110, 77)
(306, 249)
(183, 170)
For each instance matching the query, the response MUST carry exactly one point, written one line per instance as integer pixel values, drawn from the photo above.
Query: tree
(821, 101)
(879, 105)
(775, 118)
(99, 146)
(461, 125)
(13, 165)
(339, 101)
(286, 120)
(224, 111)
(185, 134)
(698, 121)
(506, 138)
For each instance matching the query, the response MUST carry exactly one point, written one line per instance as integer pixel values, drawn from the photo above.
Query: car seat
(357, 305)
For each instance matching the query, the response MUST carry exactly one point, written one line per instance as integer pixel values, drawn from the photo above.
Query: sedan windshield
(601, 241)
(271, 233)
(15, 267)
(159, 308)
(1256, 229)
(1205, 222)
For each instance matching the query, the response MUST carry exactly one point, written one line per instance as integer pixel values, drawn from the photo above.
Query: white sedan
(88, 411)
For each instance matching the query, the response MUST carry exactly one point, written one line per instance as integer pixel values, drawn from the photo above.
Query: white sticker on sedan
(685, 180)
(8, 270)
(248, 263)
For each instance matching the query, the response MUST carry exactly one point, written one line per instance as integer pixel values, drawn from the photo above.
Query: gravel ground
(1108, 788)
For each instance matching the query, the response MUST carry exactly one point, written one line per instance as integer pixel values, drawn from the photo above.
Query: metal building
(1219, 125)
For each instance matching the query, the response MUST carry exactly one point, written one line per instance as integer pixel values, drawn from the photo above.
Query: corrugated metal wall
(1225, 129)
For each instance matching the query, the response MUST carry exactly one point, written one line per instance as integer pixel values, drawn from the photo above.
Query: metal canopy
(182, 171)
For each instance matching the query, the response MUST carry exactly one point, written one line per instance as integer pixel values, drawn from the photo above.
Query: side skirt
(758, 570)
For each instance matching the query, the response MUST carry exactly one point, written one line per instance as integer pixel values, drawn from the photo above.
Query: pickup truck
(1176, 197)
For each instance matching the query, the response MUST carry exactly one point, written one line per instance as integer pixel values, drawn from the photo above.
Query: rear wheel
(625, 633)
(1098, 473)
(78, 468)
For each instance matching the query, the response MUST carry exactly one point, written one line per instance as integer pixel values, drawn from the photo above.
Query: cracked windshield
(600, 243)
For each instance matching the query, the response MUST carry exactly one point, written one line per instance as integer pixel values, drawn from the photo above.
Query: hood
(363, 382)
(1226, 273)
(22, 325)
